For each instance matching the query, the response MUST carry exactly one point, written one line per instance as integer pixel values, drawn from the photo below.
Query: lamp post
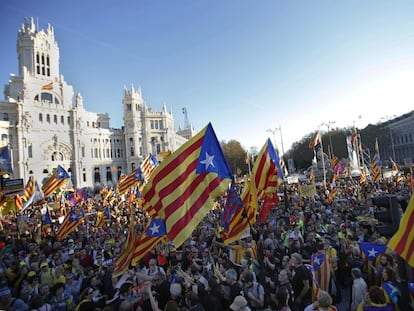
(273, 131)
(281, 137)
(328, 125)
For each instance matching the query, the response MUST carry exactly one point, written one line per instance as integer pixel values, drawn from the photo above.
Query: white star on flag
(372, 253)
(317, 261)
(208, 161)
(154, 229)
(2, 161)
(208, 266)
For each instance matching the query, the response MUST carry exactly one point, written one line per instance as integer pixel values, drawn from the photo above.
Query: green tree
(235, 155)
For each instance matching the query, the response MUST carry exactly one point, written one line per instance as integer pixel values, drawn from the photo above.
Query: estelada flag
(182, 189)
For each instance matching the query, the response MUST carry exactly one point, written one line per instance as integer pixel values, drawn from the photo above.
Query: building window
(156, 124)
(48, 118)
(152, 124)
(96, 154)
(158, 148)
(132, 166)
(55, 119)
(108, 173)
(62, 119)
(161, 125)
(3, 138)
(118, 153)
(30, 151)
(5, 116)
(40, 117)
(129, 107)
(97, 175)
(83, 151)
(119, 169)
(84, 177)
(69, 120)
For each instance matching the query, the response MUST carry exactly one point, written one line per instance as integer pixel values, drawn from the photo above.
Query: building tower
(133, 105)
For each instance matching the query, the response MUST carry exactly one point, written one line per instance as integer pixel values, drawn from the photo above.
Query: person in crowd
(301, 282)
(375, 301)
(239, 304)
(359, 288)
(60, 300)
(253, 291)
(323, 303)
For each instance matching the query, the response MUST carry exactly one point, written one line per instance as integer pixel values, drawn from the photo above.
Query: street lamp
(274, 136)
(328, 125)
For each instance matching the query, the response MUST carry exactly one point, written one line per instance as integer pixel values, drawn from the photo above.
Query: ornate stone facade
(46, 124)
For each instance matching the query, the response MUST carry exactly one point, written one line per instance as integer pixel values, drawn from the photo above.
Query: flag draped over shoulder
(402, 241)
(123, 260)
(371, 253)
(56, 181)
(184, 186)
(5, 162)
(68, 225)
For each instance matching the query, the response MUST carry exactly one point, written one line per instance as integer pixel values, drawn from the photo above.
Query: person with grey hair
(323, 303)
(359, 288)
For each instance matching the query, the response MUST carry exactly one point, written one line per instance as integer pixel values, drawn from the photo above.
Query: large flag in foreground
(403, 240)
(183, 187)
(55, 182)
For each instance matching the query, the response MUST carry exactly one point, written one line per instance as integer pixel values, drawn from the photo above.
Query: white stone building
(45, 123)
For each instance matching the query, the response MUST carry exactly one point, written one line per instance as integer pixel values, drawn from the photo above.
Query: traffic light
(389, 216)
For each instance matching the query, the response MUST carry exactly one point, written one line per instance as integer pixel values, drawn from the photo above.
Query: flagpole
(323, 164)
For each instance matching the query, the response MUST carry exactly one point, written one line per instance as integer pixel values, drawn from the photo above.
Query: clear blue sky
(244, 66)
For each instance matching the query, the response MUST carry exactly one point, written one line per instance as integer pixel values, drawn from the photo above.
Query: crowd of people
(304, 257)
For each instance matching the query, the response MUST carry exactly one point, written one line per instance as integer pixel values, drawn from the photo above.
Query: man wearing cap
(46, 274)
(239, 304)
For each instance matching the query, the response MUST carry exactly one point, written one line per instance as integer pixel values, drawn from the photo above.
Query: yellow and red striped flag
(29, 189)
(153, 233)
(354, 137)
(123, 260)
(402, 241)
(129, 181)
(243, 218)
(315, 140)
(363, 177)
(68, 225)
(375, 169)
(56, 181)
(265, 177)
(148, 166)
(183, 188)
